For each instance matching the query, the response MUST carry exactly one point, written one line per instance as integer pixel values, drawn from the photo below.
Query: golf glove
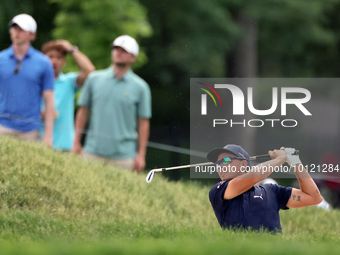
(291, 158)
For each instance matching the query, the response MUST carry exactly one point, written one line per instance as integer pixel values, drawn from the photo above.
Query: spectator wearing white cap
(120, 105)
(26, 75)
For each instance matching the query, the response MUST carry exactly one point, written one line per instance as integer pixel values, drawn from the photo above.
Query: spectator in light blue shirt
(65, 87)
(26, 75)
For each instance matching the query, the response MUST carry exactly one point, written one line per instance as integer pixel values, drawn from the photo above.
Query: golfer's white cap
(25, 22)
(127, 43)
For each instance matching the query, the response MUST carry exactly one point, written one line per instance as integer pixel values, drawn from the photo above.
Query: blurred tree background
(192, 38)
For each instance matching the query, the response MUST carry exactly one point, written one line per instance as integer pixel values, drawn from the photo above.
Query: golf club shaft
(265, 156)
(259, 157)
(180, 167)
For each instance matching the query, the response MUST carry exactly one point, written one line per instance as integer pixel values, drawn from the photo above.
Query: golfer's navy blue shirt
(257, 208)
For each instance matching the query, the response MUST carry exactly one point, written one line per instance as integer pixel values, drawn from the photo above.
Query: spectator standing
(120, 105)
(26, 75)
(65, 87)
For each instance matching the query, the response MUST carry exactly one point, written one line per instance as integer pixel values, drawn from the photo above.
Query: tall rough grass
(63, 186)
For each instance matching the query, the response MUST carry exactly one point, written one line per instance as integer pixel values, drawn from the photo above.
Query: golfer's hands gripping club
(278, 154)
(292, 158)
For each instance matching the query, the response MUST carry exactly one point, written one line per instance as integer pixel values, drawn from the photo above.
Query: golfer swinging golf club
(238, 203)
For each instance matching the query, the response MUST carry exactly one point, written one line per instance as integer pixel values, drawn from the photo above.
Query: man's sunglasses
(18, 67)
(227, 160)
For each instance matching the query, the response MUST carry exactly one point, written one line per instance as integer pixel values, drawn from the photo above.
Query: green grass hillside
(64, 187)
(60, 203)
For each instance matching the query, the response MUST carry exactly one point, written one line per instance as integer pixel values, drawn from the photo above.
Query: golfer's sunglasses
(227, 160)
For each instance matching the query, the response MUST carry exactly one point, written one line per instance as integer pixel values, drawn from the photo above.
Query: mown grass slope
(50, 200)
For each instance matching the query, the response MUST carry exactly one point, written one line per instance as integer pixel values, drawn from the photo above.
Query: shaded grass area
(55, 203)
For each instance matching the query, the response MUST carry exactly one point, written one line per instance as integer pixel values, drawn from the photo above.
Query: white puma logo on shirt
(258, 197)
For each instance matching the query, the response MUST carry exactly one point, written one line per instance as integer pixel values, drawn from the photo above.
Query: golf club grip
(266, 156)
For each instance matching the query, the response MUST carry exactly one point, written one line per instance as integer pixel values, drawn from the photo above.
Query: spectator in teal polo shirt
(120, 105)
(65, 87)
